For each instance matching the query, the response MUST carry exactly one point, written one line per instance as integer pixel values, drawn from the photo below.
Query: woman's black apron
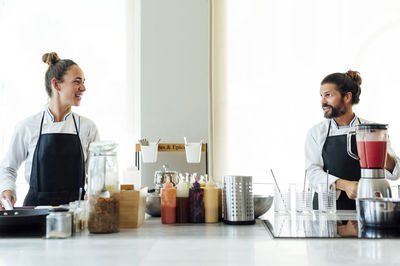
(340, 164)
(58, 169)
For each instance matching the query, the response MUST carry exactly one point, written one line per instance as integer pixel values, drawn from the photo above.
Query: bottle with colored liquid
(182, 201)
(168, 203)
(196, 203)
(211, 202)
(202, 181)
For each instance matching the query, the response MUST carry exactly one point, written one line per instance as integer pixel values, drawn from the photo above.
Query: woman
(54, 142)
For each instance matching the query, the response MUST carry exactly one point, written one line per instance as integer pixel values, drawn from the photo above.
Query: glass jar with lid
(103, 188)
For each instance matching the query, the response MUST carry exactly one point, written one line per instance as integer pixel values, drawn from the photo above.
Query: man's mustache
(327, 105)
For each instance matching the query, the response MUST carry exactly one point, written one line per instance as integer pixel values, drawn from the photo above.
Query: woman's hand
(350, 187)
(9, 195)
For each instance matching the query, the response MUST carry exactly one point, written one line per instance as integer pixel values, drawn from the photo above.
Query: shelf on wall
(172, 147)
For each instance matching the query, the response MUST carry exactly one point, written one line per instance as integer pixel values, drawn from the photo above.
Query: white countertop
(203, 244)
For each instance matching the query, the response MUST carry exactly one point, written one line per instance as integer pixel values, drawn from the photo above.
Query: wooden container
(132, 206)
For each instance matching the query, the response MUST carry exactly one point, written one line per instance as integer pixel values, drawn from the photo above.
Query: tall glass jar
(103, 188)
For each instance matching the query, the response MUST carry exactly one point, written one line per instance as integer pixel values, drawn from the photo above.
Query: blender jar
(103, 189)
(371, 145)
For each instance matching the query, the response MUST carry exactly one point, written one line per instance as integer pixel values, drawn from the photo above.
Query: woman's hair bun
(50, 58)
(355, 76)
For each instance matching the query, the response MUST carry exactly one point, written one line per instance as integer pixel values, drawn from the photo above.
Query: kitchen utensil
(59, 223)
(371, 142)
(379, 212)
(327, 181)
(285, 203)
(153, 204)
(104, 193)
(238, 202)
(262, 203)
(304, 198)
(144, 142)
(23, 222)
(80, 196)
(326, 198)
(282, 198)
(6, 204)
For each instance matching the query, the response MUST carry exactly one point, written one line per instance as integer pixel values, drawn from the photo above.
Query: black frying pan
(22, 222)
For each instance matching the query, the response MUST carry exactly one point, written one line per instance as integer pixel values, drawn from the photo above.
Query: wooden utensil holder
(132, 207)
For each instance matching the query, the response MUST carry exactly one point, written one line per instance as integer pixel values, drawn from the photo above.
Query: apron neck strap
(41, 124)
(77, 132)
(329, 128)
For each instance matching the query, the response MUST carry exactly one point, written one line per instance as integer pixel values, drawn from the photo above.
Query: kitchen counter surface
(205, 244)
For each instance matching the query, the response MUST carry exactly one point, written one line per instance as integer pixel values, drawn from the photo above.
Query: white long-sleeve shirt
(26, 135)
(313, 151)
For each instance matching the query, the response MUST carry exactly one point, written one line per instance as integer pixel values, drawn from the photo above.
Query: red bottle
(168, 203)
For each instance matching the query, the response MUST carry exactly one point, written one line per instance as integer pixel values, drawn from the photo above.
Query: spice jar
(58, 223)
(103, 188)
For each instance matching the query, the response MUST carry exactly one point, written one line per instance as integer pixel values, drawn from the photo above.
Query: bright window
(93, 34)
(277, 54)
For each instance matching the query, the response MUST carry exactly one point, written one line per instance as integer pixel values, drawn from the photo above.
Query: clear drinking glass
(282, 224)
(282, 198)
(326, 198)
(304, 225)
(304, 198)
(327, 225)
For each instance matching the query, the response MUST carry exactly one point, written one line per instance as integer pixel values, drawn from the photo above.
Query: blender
(372, 151)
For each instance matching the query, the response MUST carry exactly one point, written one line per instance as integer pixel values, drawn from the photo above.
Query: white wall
(174, 78)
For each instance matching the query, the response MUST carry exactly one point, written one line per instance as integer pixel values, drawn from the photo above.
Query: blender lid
(372, 126)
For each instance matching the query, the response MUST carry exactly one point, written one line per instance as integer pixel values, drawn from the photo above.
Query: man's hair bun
(355, 76)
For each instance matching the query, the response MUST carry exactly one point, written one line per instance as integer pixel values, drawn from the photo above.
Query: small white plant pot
(149, 153)
(193, 152)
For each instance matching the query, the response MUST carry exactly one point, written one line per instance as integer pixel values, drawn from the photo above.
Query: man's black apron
(58, 169)
(340, 164)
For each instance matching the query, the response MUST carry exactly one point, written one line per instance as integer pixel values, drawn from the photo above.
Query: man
(326, 144)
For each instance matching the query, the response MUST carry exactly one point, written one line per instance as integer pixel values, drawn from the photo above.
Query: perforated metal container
(237, 200)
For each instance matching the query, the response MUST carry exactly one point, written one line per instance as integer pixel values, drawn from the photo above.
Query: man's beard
(335, 111)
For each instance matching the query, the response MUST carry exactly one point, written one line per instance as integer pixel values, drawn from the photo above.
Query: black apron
(58, 169)
(340, 164)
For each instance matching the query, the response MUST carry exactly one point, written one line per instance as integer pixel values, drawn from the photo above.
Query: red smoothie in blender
(372, 153)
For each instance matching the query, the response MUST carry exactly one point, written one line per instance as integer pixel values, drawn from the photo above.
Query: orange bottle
(168, 203)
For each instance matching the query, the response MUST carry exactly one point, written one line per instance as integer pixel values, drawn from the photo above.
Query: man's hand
(9, 195)
(350, 229)
(390, 163)
(350, 187)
